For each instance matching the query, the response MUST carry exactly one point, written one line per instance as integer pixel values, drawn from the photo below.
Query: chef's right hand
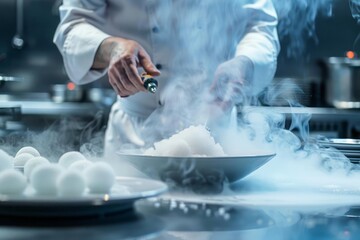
(123, 57)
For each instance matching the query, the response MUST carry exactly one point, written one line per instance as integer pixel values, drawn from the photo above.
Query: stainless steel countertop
(207, 222)
(52, 108)
(41, 104)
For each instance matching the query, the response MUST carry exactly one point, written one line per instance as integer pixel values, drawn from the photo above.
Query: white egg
(31, 164)
(12, 182)
(70, 157)
(21, 159)
(43, 178)
(6, 161)
(80, 165)
(30, 150)
(99, 177)
(70, 183)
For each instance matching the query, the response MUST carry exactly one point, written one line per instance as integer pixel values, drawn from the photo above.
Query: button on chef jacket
(179, 35)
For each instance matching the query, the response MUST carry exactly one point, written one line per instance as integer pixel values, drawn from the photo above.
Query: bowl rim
(272, 154)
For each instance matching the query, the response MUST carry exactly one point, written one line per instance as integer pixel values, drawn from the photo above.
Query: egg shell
(80, 165)
(70, 183)
(99, 177)
(21, 159)
(12, 182)
(30, 150)
(6, 161)
(44, 177)
(32, 163)
(70, 157)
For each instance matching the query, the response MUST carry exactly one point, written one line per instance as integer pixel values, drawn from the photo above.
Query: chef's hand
(231, 82)
(122, 57)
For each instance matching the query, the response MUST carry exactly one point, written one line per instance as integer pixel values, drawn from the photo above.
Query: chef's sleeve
(260, 43)
(78, 37)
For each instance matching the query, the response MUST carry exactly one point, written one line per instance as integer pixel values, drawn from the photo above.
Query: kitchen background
(38, 64)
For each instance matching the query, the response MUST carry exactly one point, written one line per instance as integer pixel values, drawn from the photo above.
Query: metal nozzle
(150, 83)
(152, 87)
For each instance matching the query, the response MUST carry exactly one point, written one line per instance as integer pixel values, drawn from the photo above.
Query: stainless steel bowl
(342, 82)
(66, 93)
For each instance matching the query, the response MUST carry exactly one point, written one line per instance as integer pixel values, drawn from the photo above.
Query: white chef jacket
(178, 35)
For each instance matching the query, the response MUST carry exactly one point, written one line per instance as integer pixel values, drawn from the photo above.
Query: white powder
(192, 141)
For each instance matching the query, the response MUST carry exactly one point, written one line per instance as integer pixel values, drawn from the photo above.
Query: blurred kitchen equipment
(284, 91)
(103, 96)
(2, 56)
(342, 82)
(18, 40)
(9, 114)
(69, 92)
(7, 79)
(347, 146)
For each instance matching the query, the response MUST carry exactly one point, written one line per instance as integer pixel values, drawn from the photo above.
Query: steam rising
(297, 21)
(299, 164)
(62, 136)
(202, 37)
(355, 9)
(185, 104)
(201, 43)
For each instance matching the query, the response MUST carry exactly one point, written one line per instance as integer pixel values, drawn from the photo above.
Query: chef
(232, 46)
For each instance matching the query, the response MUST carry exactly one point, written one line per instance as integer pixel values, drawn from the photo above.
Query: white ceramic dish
(121, 198)
(233, 168)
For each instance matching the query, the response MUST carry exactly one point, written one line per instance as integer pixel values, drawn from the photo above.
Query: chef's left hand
(231, 81)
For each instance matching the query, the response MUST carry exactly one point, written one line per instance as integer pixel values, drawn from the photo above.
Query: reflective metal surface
(129, 225)
(41, 104)
(172, 219)
(10, 78)
(345, 142)
(342, 83)
(63, 93)
(123, 195)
